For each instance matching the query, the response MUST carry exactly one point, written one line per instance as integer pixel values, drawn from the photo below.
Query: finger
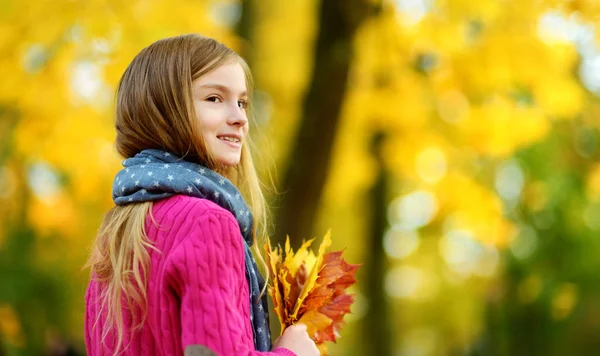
(300, 326)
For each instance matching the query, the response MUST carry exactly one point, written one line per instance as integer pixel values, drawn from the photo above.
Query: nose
(237, 116)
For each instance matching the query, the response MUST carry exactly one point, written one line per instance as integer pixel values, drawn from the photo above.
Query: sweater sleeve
(207, 273)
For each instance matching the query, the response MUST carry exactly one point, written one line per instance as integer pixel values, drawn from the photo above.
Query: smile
(230, 139)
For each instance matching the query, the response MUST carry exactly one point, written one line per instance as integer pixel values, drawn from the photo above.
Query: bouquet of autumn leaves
(311, 289)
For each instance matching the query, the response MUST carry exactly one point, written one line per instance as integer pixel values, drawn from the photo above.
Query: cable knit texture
(197, 290)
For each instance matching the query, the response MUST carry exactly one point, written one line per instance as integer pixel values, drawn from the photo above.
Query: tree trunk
(377, 328)
(244, 31)
(310, 155)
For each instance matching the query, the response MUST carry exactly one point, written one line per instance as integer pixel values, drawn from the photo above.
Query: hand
(296, 339)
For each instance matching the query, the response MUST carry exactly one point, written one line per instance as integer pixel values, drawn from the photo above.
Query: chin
(230, 161)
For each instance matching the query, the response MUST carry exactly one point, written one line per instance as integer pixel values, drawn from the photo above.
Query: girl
(171, 265)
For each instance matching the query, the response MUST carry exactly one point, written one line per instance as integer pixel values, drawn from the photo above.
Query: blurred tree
(310, 155)
(378, 327)
(244, 30)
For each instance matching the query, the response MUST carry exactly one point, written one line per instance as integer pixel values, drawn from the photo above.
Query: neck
(230, 173)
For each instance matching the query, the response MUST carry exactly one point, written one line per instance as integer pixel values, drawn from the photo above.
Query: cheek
(207, 120)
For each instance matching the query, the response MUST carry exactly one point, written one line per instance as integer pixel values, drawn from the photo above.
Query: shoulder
(182, 208)
(197, 221)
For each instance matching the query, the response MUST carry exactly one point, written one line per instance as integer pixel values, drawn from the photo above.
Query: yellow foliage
(473, 207)
(587, 9)
(565, 299)
(54, 215)
(12, 182)
(487, 11)
(560, 98)
(593, 183)
(500, 126)
(352, 168)
(453, 106)
(10, 326)
(447, 42)
(402, 154)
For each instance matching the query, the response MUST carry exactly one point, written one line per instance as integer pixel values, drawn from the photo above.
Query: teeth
(230, 139)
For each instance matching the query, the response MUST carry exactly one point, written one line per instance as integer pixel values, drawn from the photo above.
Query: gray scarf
(155, 174)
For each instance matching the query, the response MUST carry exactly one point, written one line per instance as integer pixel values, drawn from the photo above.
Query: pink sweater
(197, 288)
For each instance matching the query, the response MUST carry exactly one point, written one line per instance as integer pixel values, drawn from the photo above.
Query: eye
(243, 104)
(214, 99)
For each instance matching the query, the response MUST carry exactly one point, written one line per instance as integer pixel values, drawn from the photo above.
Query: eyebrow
(222, 88)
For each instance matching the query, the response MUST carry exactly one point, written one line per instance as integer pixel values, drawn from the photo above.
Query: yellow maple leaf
(314, 273)
(315, 321)
(311, 289)
(274, 259)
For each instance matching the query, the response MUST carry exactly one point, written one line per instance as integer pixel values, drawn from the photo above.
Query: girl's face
(220, 102)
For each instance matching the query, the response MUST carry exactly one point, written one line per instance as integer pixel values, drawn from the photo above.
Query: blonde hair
(155, 110)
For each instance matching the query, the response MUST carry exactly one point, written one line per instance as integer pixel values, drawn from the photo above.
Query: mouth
(233, 140)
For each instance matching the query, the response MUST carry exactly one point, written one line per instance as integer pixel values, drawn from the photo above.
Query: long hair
(155, 110)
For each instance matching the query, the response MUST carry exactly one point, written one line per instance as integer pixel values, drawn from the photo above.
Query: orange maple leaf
(311, 289)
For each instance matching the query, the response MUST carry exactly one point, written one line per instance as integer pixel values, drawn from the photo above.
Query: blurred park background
(451, 145)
